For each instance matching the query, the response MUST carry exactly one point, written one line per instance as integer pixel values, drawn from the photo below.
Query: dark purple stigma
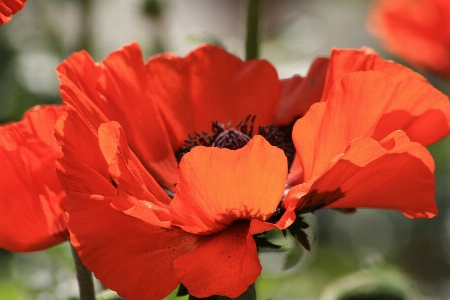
(237, 137)
(231, 139)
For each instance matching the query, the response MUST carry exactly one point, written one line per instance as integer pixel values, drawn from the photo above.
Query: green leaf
(263, 242)
(293, 257)
(296, 229)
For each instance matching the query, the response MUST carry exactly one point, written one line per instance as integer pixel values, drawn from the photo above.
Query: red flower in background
(349, 144)
(125, 125)
(9, 8)
(417, 31)
(31, 197)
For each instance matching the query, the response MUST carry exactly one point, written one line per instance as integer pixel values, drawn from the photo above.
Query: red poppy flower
(417, 31)
(350, 148)
(9, 8)
(125, 127)
(126, 119)
(31, 197)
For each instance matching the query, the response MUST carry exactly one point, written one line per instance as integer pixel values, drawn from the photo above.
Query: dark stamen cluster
(281, 137)
(221, 137)
(231, 139)
(203, 139)
(239, 136)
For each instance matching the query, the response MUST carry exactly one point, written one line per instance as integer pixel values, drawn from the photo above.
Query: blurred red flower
(362, 144)
(9, 8)
(417, 31)
(31, 197)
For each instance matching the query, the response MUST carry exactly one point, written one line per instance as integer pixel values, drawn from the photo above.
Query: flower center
(237, 137)
(231, 139)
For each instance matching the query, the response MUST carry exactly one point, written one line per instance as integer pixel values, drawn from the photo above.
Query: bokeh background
(379, 254)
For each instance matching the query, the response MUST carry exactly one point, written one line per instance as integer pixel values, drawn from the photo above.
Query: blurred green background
(368, 255)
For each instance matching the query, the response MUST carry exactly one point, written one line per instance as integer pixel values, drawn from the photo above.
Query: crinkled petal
(369, 104)
(219, 186)
(83, 167)
(119, 90)
(31, 197)
(223, 264)
(345, 61)
(392, 174)
(289, 216)
(209, 85)
(9, 8)
(133, 182)
(127, 255)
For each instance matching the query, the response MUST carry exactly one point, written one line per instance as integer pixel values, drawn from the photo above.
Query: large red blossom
(31, 197)
(350, 146)
(418, 31)
(9, 8)
(125, 120)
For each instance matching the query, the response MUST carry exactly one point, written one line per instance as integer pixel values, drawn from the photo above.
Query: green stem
(249, 294)
(84, 277)
(252, 38)
(85, 37)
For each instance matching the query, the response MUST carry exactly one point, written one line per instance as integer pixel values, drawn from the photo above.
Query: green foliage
(293, 257)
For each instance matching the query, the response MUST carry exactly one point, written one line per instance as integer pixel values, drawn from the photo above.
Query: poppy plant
(9, 8)
(31, 197)
(136, 134)
(417, 31)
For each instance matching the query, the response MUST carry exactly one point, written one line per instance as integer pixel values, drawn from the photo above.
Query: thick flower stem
(84, 277)
(249, 294)
(252, 38)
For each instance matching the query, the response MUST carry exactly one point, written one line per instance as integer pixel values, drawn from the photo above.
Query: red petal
(132, 179)
(128, 255)
(9, 8)
(345, 61)
(369, 104)
(289, 216)
(211, 84)
(392, 174)
(31, 197)
(223, 264)
(103, 235)
(119, 90)
(300, 93)
(83, 167)
(219, 186)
